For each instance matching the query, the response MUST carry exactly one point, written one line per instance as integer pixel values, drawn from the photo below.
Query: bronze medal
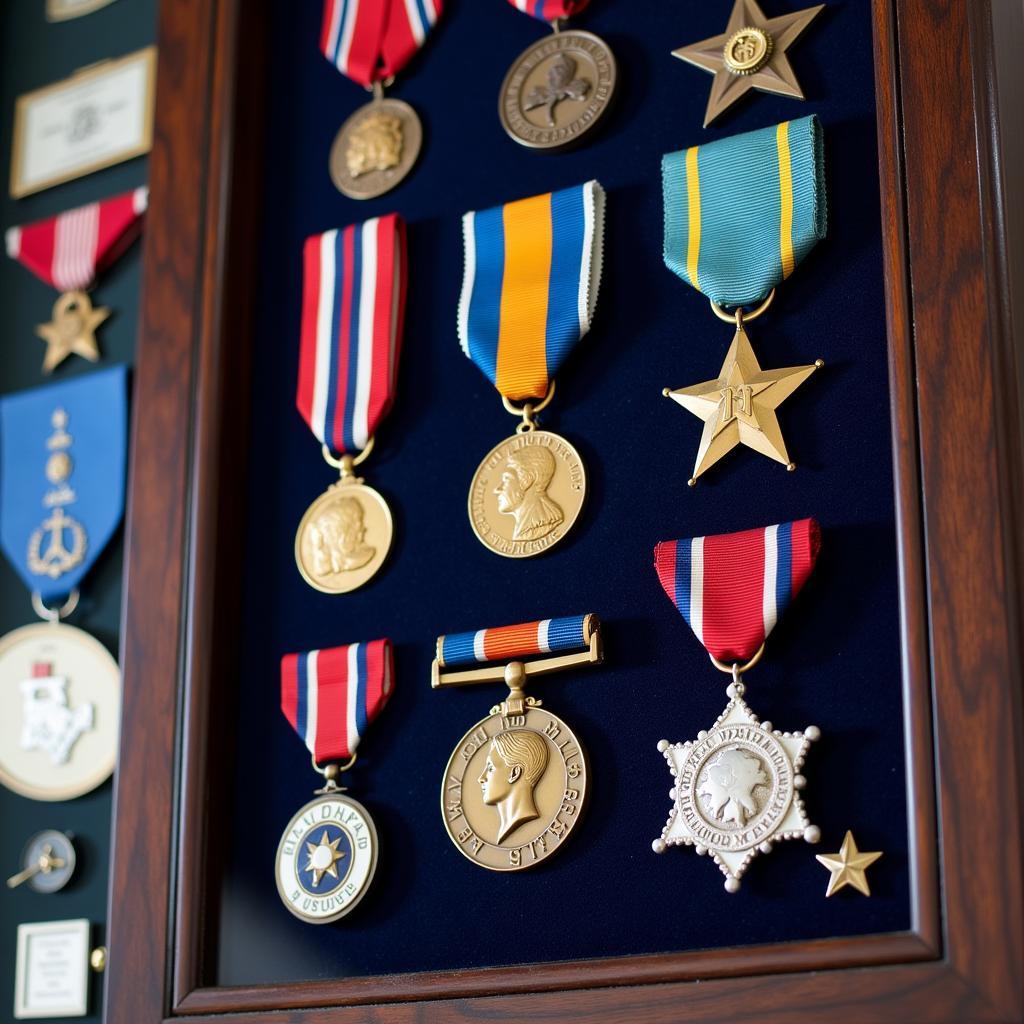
(375, 148)
(557, 90)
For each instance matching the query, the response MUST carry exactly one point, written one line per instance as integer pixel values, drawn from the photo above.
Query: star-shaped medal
(749, 54)
(72, 330)
(738, 406)
(323, 857)
(848, 866)
(736, 789)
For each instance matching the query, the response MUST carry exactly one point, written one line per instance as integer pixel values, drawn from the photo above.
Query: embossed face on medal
(62, 693)
(514, 789)
(326, 859)
(557, 90)
(527, 493)
(375, 149)
(343, 538)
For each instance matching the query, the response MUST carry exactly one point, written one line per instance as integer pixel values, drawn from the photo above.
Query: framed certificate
(96, 118)
(53, 970)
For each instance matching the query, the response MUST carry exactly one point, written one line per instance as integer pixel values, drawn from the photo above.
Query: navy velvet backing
(834, 660)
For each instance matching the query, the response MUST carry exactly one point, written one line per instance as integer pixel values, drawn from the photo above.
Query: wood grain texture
(955, 408)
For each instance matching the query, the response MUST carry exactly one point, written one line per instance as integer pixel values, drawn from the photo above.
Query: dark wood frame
(955, 378)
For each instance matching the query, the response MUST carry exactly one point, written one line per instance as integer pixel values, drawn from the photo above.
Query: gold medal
(557, 90)
(375, 148)
(517, 783)
(72, 331)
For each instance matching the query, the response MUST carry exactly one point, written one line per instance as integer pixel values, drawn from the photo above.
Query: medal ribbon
(63, 449)
(549, 10)
(508, 643)
(353, 306)
(70, 250)
(532, 272)
(732, 588)
(331, 696)
(742, 212)
(370, 40)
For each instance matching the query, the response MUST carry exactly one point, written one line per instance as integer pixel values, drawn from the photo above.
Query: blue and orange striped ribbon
(507, 643)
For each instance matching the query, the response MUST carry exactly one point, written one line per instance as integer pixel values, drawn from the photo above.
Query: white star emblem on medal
(736, 790)
(323, 857)
(738, 406)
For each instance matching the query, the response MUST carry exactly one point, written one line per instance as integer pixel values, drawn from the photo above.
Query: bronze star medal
(749, 54)
(738, 406)
(72, 331)
(848, 866)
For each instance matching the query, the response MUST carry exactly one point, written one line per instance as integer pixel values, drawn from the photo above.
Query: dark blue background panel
(834, 661)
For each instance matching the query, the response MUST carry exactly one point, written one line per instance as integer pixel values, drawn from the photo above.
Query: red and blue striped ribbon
(507, 643)
(353, 306)
(732, 588)
(370, 40)
(548, 10)
(331, 696)
(532, 271)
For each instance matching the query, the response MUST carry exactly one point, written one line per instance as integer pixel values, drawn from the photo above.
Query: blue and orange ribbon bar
(546, 645)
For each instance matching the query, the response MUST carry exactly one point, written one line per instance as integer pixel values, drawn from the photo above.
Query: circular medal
(326, 858)
(343, 538)
(375, 149)
(514, 789)
(527, 493)
(557, 90)
(61, 691)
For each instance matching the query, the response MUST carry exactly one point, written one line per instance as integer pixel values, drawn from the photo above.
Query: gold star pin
(72, 330)
(323, 857)
(738, 406)
(848, 866)
(749, 54)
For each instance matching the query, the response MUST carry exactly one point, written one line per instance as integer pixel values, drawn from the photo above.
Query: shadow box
(904, 646)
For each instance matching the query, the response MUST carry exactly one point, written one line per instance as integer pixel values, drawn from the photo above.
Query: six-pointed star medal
(738, 406)
(848, 866)
(749, 54)
(323, 857)
(72, 331)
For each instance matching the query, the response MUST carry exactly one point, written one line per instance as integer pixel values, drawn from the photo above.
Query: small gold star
(749, 54)
(72, 330)
(738, 406)
(848, 866)
(323, 857)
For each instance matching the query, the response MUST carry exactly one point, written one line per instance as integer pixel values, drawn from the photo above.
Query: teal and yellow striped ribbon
(742, 212)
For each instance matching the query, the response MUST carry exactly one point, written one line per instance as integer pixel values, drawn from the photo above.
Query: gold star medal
(749, 54)
(68, 251)
(848, 866)
(736, 787)
(735, 240)
(327, 855)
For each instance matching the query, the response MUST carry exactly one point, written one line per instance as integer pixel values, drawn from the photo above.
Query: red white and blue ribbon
(331, 696)
(549, 10)
(506, 643)
(70, 250)
(732, 588)
(353, 306)
(370, 40)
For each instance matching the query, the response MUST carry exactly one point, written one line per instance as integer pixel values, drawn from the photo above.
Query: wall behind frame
(34, 53)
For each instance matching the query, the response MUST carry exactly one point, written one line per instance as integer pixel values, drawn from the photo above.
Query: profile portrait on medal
(338, 538)
(523, 493)
(729, 783)
(516, 762)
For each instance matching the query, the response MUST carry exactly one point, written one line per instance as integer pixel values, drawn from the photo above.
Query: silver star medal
(737, 789)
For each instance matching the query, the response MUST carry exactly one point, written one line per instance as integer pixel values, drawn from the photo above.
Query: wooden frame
(958, 462)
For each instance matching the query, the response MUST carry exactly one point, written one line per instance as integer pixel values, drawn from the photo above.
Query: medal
(68, 252)
(559, 88)
(517, 782)
(740, 214)
(532, 272)
(328, 851)
(353, 308)
(749, 54)
(62, 465)
(737, 786)
(370, 41)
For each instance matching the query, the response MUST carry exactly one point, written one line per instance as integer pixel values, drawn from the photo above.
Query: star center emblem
(72, 331)
(848, 866)
(738, 406)
(323, 858)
